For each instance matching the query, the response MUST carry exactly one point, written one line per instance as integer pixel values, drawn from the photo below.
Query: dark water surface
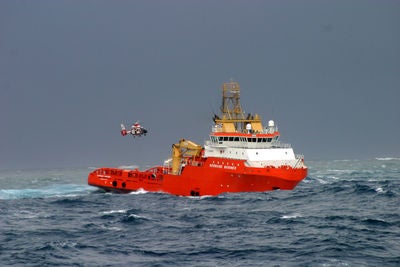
(345, 213)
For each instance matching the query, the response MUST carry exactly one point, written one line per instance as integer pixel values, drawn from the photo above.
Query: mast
(231, 107)
(233, 119)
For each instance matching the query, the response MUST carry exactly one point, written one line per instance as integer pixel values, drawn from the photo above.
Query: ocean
(345, 213)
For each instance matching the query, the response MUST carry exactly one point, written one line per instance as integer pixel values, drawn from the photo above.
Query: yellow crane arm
(183, 148)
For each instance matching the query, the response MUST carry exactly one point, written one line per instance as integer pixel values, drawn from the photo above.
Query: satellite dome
(271, 123)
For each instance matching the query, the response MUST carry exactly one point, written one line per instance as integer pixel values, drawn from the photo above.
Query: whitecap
(387, 158)
(201, 197)
(138, 192)
(380, 190)
(64, 244)
(114, 211)
(64, 190)
(208, 196)
(112, 228)
(291, 216)
(136, 216)
(321, 181)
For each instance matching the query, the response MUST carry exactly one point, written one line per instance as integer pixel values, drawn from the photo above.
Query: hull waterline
(198, 180)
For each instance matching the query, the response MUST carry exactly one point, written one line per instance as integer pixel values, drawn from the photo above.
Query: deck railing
(266, 130)
(244, 144)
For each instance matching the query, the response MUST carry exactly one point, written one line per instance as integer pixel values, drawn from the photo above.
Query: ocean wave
(114, 211)
(345, 160)
(292, 216)
(46, 192)
(134, 218)
(387, 159)
(342, 214)
(138, 192)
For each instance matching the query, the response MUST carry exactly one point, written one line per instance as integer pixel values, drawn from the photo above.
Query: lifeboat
(241, 155)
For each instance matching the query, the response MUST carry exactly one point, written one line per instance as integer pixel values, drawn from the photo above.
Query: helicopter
(136, 130)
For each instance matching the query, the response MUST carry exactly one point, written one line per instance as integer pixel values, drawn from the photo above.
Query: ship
(240, 155)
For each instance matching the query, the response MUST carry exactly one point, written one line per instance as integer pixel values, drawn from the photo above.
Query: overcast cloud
(328, 73)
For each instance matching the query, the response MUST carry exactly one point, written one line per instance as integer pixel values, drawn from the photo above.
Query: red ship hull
(208, 176)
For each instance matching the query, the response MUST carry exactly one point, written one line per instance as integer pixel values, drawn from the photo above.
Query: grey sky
(328, 73)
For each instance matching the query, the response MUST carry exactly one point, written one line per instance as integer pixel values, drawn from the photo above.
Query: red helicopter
(136, 130)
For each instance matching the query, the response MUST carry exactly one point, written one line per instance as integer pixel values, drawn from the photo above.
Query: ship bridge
(241, 137)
